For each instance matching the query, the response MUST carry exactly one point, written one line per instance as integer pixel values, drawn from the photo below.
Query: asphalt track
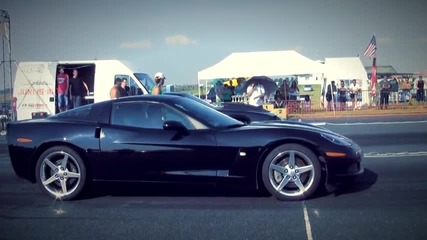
(389, 201)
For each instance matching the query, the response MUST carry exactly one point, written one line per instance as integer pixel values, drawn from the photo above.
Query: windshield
(146, 81)
(191, 96)
(205, 114)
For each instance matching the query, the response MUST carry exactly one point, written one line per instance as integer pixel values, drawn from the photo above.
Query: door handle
(98, 132)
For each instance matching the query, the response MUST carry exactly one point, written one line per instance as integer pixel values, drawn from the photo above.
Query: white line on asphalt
(394, 155)
(307, 222)
(319, 123)
(373, 123)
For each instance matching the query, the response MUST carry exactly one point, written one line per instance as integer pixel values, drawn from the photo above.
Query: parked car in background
(308, 88)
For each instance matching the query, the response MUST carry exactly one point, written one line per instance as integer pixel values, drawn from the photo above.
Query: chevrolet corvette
(173, 139)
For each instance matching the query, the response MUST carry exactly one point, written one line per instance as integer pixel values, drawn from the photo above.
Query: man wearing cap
(159, 78)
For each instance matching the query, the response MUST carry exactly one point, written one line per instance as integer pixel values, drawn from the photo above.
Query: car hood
(233, 106)
(292, 125)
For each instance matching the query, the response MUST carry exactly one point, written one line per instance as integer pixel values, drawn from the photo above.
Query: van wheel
(61, 173)
(291, 172)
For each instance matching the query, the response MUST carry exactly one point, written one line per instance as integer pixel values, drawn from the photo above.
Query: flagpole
(374, 81)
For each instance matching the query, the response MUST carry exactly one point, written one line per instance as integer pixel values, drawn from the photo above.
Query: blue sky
(183, 37)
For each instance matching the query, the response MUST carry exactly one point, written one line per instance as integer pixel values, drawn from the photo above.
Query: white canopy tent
(345, 68)
(268, 63)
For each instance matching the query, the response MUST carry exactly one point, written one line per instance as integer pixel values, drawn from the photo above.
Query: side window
(134, 89)
(120, 78)
(146, 115)
(157, 114)
(129, 114)
(132, 86)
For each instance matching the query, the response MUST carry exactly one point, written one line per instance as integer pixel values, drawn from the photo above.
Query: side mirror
(175, 126)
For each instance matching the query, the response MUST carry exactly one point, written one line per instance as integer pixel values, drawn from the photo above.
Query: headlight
(339, 140)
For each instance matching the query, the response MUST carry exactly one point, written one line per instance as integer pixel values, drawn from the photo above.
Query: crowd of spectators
(341, 96)
(400, 90)
(393, 90)
(337, 97)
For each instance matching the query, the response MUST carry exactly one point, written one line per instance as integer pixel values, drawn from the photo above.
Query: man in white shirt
(354, 92)
(256, 93)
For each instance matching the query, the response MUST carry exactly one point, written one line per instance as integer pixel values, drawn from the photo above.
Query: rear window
(80, 113)
(93, 113)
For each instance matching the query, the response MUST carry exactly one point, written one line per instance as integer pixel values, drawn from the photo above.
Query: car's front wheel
(61, 173)
(291, 172)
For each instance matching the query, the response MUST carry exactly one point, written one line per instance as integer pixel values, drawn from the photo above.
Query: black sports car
(242, 112)
(175, 139)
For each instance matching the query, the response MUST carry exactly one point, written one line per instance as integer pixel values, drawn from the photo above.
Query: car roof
(147, 97)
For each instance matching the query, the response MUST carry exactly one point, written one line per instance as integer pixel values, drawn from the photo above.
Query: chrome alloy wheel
(291, 173)
(60, 174)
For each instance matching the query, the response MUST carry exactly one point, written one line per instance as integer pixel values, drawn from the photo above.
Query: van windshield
(146, 80)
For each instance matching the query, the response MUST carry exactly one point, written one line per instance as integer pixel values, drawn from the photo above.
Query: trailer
(35, 85)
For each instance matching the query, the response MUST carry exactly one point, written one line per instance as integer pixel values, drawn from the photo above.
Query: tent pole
(206, 90)
(198, 86)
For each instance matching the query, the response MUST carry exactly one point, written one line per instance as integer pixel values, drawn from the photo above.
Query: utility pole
(6, 64)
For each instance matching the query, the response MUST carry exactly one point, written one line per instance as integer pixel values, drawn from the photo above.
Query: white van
(34, 88)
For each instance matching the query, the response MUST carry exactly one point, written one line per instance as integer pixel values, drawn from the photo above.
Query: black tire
(61, 168)
(290, 181)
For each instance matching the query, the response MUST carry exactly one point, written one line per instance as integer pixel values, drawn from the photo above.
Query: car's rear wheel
(291, 172)
(61, 173)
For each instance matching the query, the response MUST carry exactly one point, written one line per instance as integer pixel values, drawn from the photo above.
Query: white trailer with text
(34, 87)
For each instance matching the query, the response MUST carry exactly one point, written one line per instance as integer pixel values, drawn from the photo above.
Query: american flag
(372, 48)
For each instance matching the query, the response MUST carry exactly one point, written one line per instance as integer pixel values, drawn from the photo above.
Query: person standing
(394, 90)
(342, 93)
(238, 90)
(78, 89)
(354, 93)
(211, 95)
(62, 84)
(385, 93)
(331, 91)
(256, 93)
(293, 91)
(115, 90)
(218, 92)
(227, 93)
(284, 89)
(420, 89)
(159, 79)
(123, 88)
(406, 91)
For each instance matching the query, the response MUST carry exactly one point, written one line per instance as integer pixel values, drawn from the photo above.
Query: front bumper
(348, 166)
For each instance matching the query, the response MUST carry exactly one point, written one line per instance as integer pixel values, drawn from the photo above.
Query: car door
(136, 147)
